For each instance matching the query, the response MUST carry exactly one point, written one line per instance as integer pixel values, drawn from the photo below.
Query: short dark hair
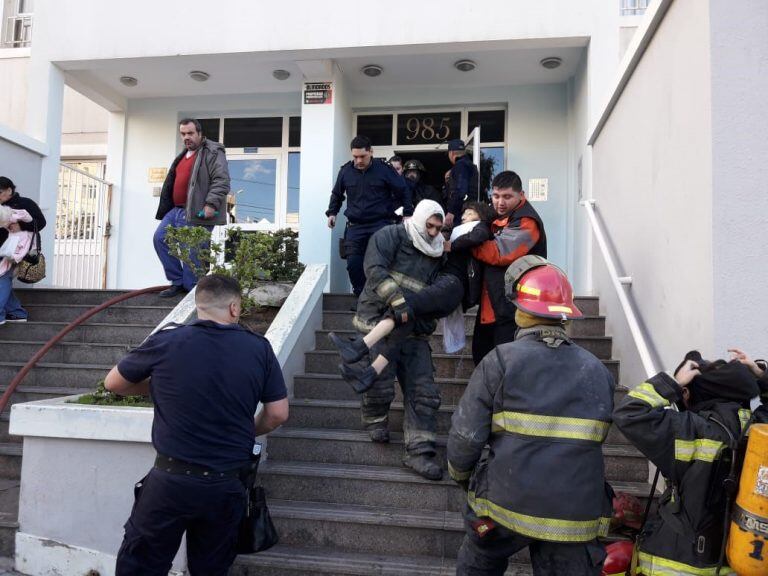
(483, 210)
(7, 183)
(507, 179)
(217, 290)
(196, 122)
(360, 142)
(395, 158)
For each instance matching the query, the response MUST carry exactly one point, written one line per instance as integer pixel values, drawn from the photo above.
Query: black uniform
(688, 448)
(206, 382)
(421, 191)
(395, 268)
(543, 405)
(462, 184)
(372, 196)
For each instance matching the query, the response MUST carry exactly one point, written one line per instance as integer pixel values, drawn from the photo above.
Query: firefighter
(692, 447)
(415, 174)
(543, 406)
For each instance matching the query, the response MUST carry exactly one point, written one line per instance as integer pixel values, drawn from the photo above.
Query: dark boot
(379, 435)
(360, 380)
(352, 349)
(425, 465)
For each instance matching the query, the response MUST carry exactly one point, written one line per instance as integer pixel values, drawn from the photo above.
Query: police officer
(374, 190)
(462, 182)
(543, 404)
(414, 173)
(206, 380)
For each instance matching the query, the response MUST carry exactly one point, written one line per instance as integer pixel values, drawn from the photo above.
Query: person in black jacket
(414, 173)
(373, 191)
(462, 181)
(10, 307)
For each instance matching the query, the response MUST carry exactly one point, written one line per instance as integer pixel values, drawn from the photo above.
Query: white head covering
(416, 227)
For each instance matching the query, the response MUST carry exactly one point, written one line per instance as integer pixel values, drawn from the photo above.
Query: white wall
(652, 181)
(84, 127)
(151, 140)
(739, 55)
(23, 167)
(13, 78)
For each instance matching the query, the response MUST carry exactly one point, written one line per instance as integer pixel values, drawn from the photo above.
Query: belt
(175, 466)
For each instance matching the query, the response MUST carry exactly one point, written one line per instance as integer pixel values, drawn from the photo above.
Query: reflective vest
(544, 405)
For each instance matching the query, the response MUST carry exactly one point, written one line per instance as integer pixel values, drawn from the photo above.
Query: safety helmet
(413, 165)
(539, 288)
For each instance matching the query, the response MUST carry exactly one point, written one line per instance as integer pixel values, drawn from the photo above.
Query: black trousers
(356, 238)
(489, 556)
(412, 363)
(168, 505)
(487, 336)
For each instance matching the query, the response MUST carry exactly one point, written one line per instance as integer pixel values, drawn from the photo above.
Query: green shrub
(103, 397)
(250, 257)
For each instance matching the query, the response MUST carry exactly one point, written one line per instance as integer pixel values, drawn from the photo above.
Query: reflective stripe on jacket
(545, 410)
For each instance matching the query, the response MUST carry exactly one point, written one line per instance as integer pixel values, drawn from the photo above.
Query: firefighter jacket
(692, 451)
(393, 267)
(543, 405)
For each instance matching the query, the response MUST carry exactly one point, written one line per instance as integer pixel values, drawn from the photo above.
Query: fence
(82, 229)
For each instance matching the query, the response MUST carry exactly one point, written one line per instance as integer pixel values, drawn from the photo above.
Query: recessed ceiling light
(199, 75)
(551, 62)
(129, 81)
(281, 74)
(372, 70)
(464, 65)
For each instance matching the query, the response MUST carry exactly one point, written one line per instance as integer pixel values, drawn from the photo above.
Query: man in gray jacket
(194, 194)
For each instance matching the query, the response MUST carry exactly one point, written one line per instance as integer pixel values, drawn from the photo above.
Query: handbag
(256, 532)
(32, 268)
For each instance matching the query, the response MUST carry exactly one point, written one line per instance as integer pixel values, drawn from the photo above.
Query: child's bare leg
(380, 363)
(381, 330)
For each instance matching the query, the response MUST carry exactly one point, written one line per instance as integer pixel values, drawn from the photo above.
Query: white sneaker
(2, 322)
(14, 319)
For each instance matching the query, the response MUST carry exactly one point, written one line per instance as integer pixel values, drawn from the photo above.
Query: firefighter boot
(379, 434)
(360, 380)
(352, 349)
(425, 465)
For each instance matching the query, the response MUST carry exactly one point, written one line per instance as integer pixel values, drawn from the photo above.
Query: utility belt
(176, 466)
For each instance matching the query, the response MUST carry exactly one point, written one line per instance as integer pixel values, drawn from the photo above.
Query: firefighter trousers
(412, 364)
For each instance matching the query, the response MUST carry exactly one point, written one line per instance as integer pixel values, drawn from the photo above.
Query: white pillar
(45, 104)
(115, 152)
(326, 130)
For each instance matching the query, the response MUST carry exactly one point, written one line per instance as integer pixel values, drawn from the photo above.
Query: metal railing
(634, 7)
(619, 282)
(82, 229)
(18, 31)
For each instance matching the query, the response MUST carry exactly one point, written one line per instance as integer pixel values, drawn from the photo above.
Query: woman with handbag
(10, 307)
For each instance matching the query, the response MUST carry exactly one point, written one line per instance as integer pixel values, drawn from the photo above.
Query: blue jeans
(9, 304)
(176, 272)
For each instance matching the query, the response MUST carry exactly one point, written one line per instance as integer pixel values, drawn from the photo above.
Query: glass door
(473, 142)
(256, 197)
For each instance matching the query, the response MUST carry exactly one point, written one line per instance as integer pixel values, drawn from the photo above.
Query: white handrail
(618, 282)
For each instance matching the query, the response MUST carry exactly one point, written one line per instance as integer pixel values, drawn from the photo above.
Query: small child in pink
(17, 244)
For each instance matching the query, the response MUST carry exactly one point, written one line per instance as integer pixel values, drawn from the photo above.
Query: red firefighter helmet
(618, 558)
(542, 290)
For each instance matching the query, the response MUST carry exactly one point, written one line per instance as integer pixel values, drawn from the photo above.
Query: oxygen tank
(748, 537)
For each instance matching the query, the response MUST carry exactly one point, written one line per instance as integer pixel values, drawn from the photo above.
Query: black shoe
(379, 435)
(424, 465)
(12, 318)
(174, 290)
(360, 380)
(352, 349)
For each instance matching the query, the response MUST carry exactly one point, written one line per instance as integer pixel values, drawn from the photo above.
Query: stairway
(344, 505)
(73, 366)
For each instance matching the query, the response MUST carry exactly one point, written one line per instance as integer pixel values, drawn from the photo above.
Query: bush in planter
(250, 257)
(103, 397)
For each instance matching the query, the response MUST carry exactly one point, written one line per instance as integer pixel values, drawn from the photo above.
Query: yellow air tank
(748, 537)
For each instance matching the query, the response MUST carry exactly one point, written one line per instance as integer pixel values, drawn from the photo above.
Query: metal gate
(82, 229)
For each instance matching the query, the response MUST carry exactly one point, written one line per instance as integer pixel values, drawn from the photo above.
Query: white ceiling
(498, 64)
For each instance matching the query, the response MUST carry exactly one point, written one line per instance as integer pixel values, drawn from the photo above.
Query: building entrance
(436, 164)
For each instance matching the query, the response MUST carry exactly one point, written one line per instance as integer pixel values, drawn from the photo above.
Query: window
(294, 165)
(491, 124)
(17, 24)
(210, 128)
(377, 127)
(294, 131)
(253, 132)
(430, 128)
(634, 7)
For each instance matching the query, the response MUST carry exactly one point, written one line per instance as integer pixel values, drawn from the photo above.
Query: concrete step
(367, 529)
(66, 352)
(385, 486)
(342, 302)
(600, 346)
(332, 387)
(56, 374)
(114, 314)
(339, 446)
(587, 326)
(60, 296)
(124, 332)
(294, 561)
(345, 414)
